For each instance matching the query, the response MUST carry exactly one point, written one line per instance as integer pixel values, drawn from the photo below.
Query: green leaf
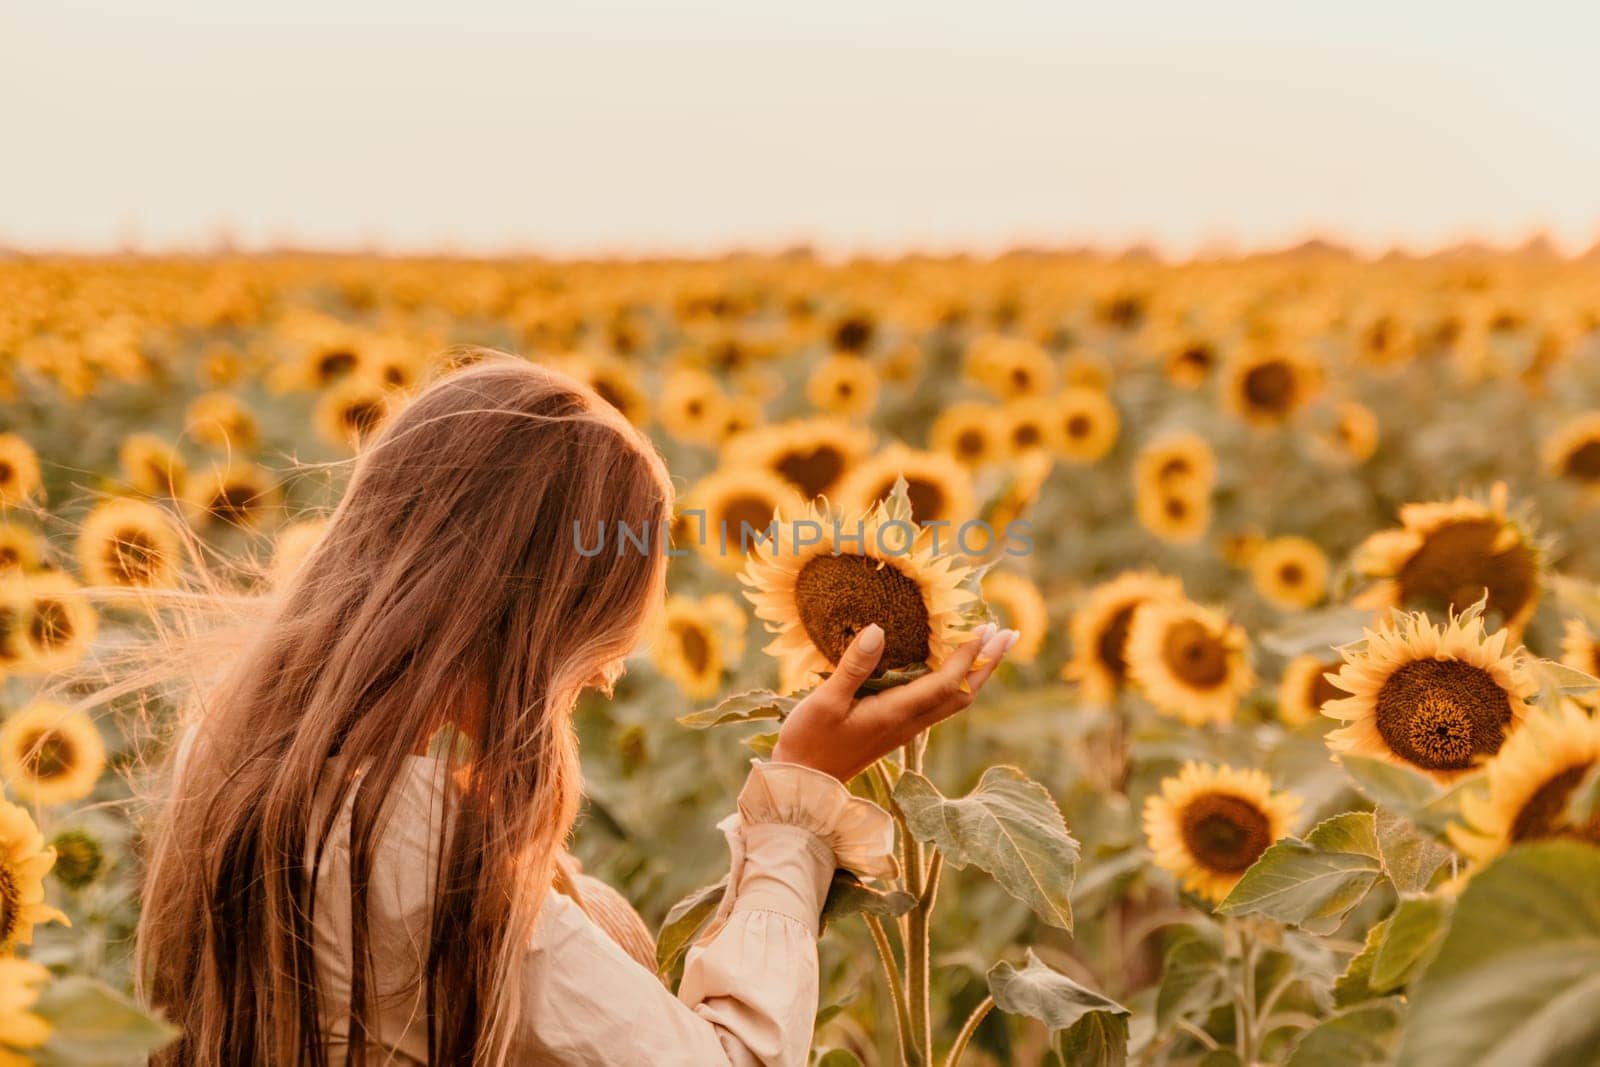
(1568, 681)
(1386, 785)
(893, 679)
(1517, 978)
(1414, 931)
(1192, 976)
(1009, 827)
(1366, 1033)
(1405, 792)
(1099, 1039)
(1409, 857)
(837, 1057)
(849, 895)
(683, 923)
(1355, 984)
(92, 1025)
(1310, 883)
(1583, 803)
(1355, 832)
(1047, 995)
(1316, 631)
(752, 706)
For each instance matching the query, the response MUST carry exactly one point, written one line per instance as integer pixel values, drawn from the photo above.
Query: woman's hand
(834, 732)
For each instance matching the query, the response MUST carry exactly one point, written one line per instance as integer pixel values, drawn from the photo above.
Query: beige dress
(749, 990)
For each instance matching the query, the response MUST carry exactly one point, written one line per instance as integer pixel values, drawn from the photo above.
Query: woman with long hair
(360, 854)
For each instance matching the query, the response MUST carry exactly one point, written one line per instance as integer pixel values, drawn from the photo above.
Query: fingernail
(994, 648)
(985, 632)
(870, 639)
(1011, 639)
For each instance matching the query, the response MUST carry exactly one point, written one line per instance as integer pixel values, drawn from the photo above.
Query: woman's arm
(749, 991)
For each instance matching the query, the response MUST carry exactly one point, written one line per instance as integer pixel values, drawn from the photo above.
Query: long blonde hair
(448, 589)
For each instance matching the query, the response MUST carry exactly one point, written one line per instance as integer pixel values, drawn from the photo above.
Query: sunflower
(239, 494)
(1087, 369)
(1447, 556)
(737, 506)
(1209, 823)
(693, 406)
(20, 548)
(811, 454)
(1290, 572)
(221, 420)
(293, 546)
(24, 861)
(1238, 546)
(1355, 431)
(1099, 631)
(1437, 698)
(128, 542)
(55, 624)
(352, 410)
(19, 470)
(1009, 367)
(844, 385)
(1574, 452)
(1304, 688)
(1529, 783)
(969, 431)
(1183, 459)
(867, 567)
(940, 488)
(1020, 607)
(1087, 423)
(853, 332)
(395, 364)
(1190, 661)
(51, 754)
(698, 640)
(616, 381)
(20, 1027)
(1580, 650)
(1179, 513)
(1027, 475)
(151, 465)
(1030, 424)
(1267, 385)
(1188, 360)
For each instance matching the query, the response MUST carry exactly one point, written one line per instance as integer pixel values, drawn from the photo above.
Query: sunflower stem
(1244, 1001)
(968, 1028)
(891, 977)
(917, 927)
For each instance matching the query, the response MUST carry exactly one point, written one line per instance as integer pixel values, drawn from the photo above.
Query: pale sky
(601, 125)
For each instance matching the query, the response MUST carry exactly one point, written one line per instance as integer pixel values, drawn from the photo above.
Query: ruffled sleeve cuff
(860, 834)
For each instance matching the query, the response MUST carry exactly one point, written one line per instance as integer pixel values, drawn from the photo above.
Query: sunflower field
(1295, 760)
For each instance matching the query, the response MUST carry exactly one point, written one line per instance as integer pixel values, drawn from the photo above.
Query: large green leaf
(1414, 931)
(1405, 792)
(1313, 883)
(683, 923)
(1192, 975)
(752, 706)
(1009, 827)
(1355, 984)
(1517, 978)
(1366, 1033)
(92, 1025)
(1049, 996)
(849, 895)
(1409, 857)
(1099, 1039)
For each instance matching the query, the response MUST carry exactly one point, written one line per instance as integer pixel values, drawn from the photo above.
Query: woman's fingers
(854, 667)
(989, 657)
(919, 704)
